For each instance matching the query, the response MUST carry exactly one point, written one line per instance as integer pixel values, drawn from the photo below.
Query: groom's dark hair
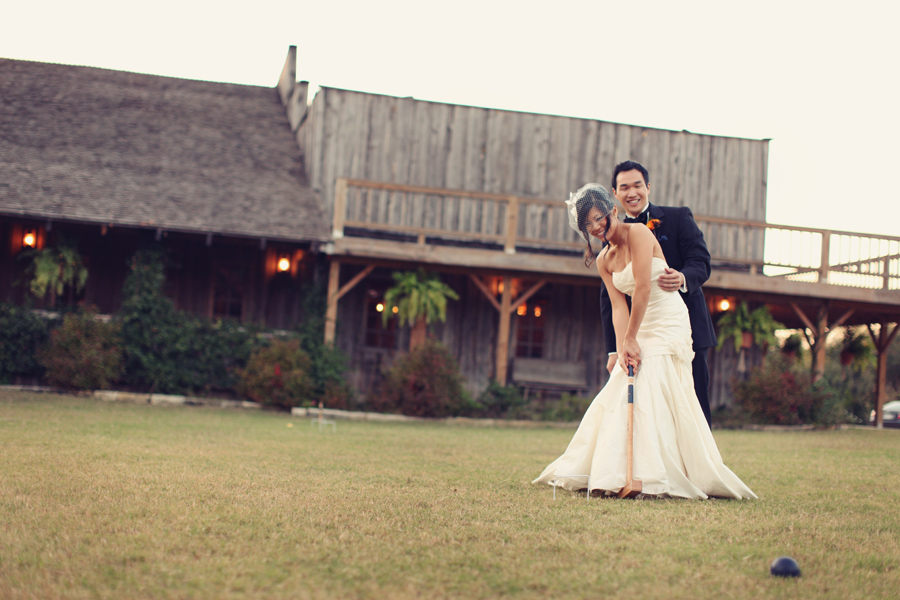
(630, 165)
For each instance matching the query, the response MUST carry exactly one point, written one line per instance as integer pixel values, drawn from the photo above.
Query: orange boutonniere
(653, 224)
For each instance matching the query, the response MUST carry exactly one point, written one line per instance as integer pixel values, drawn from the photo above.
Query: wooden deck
(781, 265)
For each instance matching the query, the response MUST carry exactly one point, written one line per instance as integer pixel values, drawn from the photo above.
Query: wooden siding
(273, 299)
(572, 332)
(406, 141)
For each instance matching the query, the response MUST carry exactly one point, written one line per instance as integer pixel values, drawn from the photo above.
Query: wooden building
(349, 187)
(110, 161)
(476, 194)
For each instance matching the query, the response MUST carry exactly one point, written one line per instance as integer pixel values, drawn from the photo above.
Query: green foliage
(54, 269)
(278, 375)
(793, 345)
(83, 353)
(328, 364)
(426, 382)
(857, 351)
(758, 323)
(170, 351)
(158, 340)
(22, 333)
(499, 401)
(778, 394)
(550, 406)
(568, 408)
(418, 293)
(220, 348)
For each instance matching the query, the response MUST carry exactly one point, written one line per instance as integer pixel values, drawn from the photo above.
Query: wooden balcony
(505, 234)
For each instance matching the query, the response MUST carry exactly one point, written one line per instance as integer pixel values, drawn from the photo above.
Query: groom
(689, 267)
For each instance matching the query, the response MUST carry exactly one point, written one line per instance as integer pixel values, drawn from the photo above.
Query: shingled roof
(111, 147)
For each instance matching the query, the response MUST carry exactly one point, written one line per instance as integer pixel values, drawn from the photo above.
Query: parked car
(891, 414)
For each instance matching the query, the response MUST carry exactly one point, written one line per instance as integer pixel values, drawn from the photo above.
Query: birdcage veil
(579, 204)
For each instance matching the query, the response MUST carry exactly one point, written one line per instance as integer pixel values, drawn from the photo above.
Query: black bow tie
(641, 218)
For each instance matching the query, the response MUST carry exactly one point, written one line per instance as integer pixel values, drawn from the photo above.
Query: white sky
(820, 82)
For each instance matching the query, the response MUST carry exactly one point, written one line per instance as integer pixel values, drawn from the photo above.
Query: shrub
(568, 408)
(499, 401)
(424, 383)
(220, 348)
(328, 364)
(277, 375)
(777, 394)
(83, 353)
(157, 339)
(22, 333)
(169, 351)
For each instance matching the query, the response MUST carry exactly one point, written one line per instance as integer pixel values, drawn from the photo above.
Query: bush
(83, 353)
(220, 348)
(328, 366)
(424, 383)
(779, 395)
(278, 375)
(499, 401)
(22, 333)
(169, 351)
(157, 338)
(568, 408)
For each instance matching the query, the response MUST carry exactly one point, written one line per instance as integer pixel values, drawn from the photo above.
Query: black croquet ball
(785, 566)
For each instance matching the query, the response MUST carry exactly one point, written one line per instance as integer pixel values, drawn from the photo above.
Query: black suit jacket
(685, 250)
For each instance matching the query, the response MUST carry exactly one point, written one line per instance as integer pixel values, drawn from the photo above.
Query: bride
(675, 454)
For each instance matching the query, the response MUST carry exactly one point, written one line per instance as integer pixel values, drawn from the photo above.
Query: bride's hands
(630, 355)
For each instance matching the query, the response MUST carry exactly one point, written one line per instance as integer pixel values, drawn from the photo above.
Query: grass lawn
(109, 500)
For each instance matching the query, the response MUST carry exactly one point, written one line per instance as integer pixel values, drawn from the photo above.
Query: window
(530, 329)
(379, 335)
(228, 290)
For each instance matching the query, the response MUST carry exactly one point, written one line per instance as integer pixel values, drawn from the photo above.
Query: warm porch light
(522, 310)
(537, 311)
(379, 307)
(724, 304)
(29, 240)
(395, 310)
(284, 264)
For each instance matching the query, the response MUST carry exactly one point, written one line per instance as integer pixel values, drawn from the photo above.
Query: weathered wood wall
(273, 300)
(402, 140)
(380, 138)
(572, 332)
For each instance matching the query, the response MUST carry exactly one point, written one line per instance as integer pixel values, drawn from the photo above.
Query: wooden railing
(514, 223)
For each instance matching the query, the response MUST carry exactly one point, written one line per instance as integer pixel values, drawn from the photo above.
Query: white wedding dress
(675, 454)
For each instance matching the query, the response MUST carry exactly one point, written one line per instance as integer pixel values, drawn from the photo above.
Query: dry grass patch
(102, 500)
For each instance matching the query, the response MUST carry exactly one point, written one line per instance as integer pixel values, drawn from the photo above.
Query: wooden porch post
(505, 308)
(819, 335)
(335, 294)
(334, 279)
(503, 334)
(882, 342)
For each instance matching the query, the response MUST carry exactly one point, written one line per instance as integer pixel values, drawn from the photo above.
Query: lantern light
(379, 307)
(29, 240)
(724, 304)
(284, 263)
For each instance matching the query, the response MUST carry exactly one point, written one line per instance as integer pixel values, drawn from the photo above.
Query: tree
(420, 298)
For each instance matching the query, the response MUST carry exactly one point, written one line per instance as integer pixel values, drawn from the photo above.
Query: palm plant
(53, 270)
(742, 325)
(420, 298)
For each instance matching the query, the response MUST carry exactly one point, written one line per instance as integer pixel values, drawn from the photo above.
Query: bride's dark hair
(592, 195)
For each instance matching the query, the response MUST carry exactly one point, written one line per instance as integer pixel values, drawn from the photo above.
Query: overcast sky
(821, 82)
